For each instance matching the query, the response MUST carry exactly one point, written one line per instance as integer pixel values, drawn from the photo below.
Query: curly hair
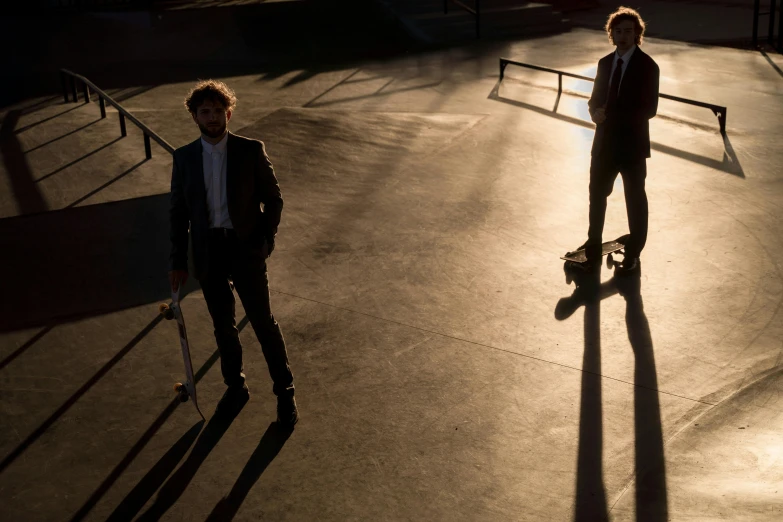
(622, 14)
(212, 90)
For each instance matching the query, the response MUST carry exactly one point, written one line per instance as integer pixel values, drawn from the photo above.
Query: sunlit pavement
(445, 368)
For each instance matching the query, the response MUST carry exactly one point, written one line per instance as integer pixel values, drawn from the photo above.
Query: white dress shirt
(214, 157)
(626, 58)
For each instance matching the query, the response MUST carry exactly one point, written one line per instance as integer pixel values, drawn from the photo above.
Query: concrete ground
(446, 368)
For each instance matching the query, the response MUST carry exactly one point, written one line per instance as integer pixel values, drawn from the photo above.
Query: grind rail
(70, 79)
(718, 110)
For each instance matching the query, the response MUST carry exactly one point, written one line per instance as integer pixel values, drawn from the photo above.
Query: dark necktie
(611, 100)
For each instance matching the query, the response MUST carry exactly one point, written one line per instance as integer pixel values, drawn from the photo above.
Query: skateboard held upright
(188, 389)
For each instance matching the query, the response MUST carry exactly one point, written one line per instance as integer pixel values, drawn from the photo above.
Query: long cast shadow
(178, 482)
(149, 484)
(651, 491)
(591, 503)
(11, 457)
(773, 64)
(154, 478)
(74, 162)
(110, 182)
(19, 351)
(270, 445)
(41, 104)
(58, 138)
(26, 193)
(49, 118)
(84, 261)
(728, 164)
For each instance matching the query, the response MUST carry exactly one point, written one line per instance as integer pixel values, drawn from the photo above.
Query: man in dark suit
(218, 185)
(624, 98)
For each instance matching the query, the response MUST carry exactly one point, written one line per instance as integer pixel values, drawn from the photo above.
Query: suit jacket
(250, 183)
(626, 130)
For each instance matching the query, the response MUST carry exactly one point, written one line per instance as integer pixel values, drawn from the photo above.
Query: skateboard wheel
(182, 391)
(166, 311)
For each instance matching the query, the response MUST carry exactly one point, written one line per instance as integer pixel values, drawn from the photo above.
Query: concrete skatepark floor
(445, 369)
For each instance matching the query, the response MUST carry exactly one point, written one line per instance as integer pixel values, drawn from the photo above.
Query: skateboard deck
(188, 389)
(608, 248)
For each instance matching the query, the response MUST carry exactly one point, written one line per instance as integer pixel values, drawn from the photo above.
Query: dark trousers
(604, 168)
(228, 258)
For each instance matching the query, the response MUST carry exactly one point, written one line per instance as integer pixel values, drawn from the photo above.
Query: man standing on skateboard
(219, 183)
(624, 99)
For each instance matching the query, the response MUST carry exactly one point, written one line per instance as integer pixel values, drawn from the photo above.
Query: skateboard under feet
(578, 258)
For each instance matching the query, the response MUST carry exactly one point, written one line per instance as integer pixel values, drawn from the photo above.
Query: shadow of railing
(27, 442)
(19, 351)
(729, 163)
(719, 110)
(769, 60)
(154, 478)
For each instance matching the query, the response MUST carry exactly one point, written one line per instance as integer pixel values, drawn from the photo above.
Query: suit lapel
(607, 66)
(197, 170)
(631, 71)
(232, 165)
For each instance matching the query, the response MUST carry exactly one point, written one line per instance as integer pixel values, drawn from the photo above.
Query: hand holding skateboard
(178, 278)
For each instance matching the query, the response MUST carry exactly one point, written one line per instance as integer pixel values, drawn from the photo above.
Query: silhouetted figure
(624, 98)
(218, 185)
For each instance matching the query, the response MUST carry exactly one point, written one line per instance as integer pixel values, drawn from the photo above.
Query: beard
(213, 132)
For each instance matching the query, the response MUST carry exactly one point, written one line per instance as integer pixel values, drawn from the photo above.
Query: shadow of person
(589, 290)
(651, 494)
(175, 486)
(591, 504)
(147, 486)
(270, 445)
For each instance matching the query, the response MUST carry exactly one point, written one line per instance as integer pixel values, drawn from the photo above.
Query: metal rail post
(63, 82)
(756, 9)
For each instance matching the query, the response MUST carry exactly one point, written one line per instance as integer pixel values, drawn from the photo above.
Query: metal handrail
(718, 110)
(475, 12)
(103, 98)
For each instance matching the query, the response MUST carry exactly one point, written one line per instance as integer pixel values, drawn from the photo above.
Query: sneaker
(287, 413)
(628, 265)
(234, 399)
